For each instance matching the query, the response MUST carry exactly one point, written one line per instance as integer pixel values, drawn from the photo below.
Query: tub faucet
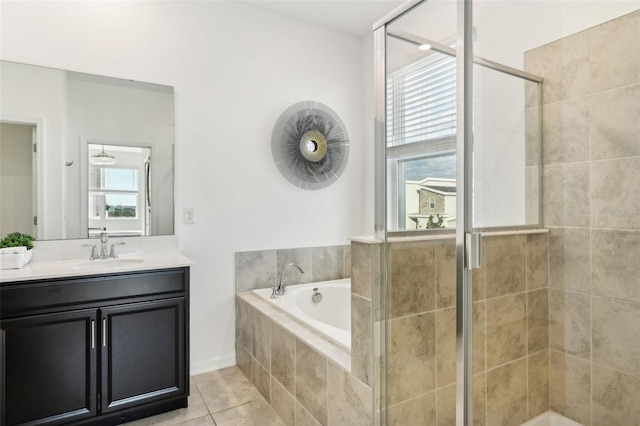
(282, 288)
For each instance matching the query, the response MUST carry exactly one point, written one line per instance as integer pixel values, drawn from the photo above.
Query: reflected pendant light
(310, 145)
(103, 159)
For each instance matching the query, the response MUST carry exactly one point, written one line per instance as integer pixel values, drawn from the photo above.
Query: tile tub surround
(263, 268)
(510, 331)
(306, 378)
(591, 127)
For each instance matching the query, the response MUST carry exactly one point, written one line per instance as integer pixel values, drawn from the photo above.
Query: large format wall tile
(411, 362)
(363, 259)
(446, 346)
(569, 259)
(615, 199)
(479, 280)
(255, 269)
(532, 194)
(417, 411)
(327, 263)
(446, 400)
(243, 360)
(283, 402)
(614, 54)
(479, 337)
(506, 329)
(362, 339)
(570, 322)
(570, 386)
(616, 341)
(537, 261)
(349, 400)
(505, 265)
(615, 123)
(244, 324)
(565, 131)
(566, 194)
(507, 394)
(283, 356)
(262, 339)
(564, 66)
(411, 285)
(538, 384)
(311, 381)
(445, 253)
(537, 320)
(298, 256)
(615, 398)
(615, 264)
(304, 418)
(261, 379)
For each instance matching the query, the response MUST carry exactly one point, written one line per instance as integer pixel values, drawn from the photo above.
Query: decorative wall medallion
(310, 145)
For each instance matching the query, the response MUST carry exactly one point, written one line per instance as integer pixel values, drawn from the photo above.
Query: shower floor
(551, 419)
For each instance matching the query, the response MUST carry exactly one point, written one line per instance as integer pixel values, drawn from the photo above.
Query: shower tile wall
(263, 268)
(591, 204)
(510, 340)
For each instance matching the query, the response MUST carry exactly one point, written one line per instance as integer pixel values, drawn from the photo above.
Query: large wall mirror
(82, 154)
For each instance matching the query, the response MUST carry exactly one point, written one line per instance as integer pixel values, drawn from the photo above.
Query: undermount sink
(102, 265)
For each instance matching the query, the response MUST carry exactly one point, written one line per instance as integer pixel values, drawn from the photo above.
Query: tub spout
(282, 288)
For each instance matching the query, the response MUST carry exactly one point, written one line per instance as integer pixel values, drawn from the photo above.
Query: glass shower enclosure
(507, 165)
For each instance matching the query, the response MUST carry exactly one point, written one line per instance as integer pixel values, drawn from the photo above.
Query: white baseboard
(211, 364)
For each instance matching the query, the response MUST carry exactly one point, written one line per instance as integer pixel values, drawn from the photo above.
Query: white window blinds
(421, 101)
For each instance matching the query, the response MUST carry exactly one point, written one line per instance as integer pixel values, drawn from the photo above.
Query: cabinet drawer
(17, 298)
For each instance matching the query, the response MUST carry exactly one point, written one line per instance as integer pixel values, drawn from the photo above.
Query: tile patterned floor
(219, 398)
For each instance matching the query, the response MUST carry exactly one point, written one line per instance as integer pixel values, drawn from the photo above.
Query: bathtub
(331, 316)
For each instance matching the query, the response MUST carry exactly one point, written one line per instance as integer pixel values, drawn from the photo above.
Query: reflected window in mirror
(118, 198)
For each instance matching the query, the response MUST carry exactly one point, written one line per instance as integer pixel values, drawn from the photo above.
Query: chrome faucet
(104, 240)
(104, 244)
(282, 288)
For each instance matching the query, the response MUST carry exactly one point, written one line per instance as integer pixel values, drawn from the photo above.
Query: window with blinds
(421, 101)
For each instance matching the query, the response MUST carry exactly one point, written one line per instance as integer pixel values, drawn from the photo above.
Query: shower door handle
(473, 250)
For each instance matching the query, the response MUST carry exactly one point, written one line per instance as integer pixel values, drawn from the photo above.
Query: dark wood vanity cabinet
(97, 350)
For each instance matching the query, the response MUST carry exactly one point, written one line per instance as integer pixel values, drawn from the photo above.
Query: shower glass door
(458, 140)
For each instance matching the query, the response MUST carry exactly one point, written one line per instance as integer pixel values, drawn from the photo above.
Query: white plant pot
(15, 257)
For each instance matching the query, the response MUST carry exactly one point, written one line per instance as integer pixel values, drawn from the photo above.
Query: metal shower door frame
(467, 242)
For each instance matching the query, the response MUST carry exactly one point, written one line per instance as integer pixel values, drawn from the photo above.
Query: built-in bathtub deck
(305, 377)
(337, 353)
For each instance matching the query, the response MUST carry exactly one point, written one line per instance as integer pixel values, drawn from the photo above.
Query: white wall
(235, 69)
(38, 96)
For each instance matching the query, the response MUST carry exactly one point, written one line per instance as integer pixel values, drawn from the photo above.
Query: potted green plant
(16, 250)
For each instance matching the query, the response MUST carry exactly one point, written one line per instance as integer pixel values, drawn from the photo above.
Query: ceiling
(354, 17)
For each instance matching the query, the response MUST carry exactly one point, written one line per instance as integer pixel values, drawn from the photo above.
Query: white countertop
(80, 267)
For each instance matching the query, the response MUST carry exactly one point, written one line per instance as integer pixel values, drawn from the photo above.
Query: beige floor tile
(200, 421)
(227, 388)
(257, 413)
(195, 410)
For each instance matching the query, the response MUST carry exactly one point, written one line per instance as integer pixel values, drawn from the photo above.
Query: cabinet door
(143, 353)
(50, 368)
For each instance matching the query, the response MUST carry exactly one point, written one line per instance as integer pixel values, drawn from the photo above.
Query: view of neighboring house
(430, 197)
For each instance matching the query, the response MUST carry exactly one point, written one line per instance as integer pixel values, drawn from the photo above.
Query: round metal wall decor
(310, 145)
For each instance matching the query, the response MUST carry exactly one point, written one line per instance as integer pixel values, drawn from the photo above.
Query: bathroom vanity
(95, 348)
